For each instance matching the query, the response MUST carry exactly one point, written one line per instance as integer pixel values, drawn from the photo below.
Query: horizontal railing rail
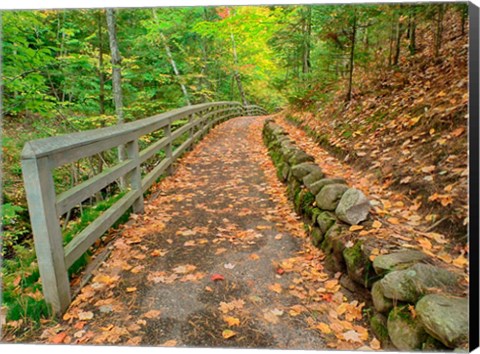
(41, 157)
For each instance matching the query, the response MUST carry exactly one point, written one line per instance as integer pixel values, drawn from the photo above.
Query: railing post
(134, 177)
(167, 132)
(41, 198)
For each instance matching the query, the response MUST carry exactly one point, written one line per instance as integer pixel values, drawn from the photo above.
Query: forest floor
(219, 259)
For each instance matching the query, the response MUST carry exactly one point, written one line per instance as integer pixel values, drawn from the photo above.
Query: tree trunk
(352, 53)
(172, 61)
(439, 30)
(116, 77)
(101, 78)
(392, 39)
(412, 47)
(398, 39)
(307, 32)
(236, 73)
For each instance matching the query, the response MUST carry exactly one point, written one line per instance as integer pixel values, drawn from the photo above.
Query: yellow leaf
(232, 321)
(131, 290)
(324, 328)
(355, 228)
(460, 261)
(228, 333)
(377, 224)
(276, 288)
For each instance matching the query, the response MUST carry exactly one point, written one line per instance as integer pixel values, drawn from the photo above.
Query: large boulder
(329, 196)
(380, 302)
(420, 279)
(397, 261)
(353, 207)
(318, 185)
(406, 332)
(301, 170)
(444, 318)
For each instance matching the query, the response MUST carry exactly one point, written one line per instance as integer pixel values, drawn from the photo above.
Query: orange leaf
(131, 290)
(393, 221)
(169, 343)
(276, 288)
(355, 228)
(57, 339)
(216, 277)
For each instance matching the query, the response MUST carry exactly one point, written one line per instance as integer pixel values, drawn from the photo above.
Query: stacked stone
(417, 305)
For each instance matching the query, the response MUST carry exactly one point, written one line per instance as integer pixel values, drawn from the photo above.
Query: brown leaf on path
(375, 344)
(135, 340)
(152, 314)
(352, 336)
(254, 257)
(220, 251)
(184, 269)
(169, 343)
(355, 228)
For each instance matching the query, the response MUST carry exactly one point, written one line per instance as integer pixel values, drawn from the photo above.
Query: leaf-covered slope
(408, 125)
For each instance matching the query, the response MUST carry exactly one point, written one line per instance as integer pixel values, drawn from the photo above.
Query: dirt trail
(219, 259)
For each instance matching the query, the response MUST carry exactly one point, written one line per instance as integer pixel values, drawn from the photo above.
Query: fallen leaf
(254, 256)
(377, 224)
(355, 228)
(228, 333)
(276, 288)
(393, 221)
(169, 343)
(280, 271)
(232, 321)
(184, 269)
(158, 253)
(220, 251)
(152, 314)
(278, 237)
(58, 338)
(134, 340)
(131, 290)
(85, 316)
(216, 277)
(352, 336)
(229, 265)
(375, 344)
(323, 327)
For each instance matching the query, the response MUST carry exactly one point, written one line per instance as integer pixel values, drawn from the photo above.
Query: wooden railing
(41, 157)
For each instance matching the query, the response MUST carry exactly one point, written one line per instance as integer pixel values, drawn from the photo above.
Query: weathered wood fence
(41, 157)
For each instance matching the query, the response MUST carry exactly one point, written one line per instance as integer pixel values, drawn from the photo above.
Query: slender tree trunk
(392, 38)
(439, 30)
(307, 32)
(101, 78)
(352, 54)
(116, 77)
(172, 61)
(398, 39)
(412, 47)
(236, 73)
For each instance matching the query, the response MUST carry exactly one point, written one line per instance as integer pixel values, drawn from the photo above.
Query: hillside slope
(408, 126)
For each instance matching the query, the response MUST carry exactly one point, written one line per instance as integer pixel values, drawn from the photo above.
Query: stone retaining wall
(416, 305)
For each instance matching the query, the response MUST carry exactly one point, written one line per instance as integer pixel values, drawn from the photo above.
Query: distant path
(223, 214)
